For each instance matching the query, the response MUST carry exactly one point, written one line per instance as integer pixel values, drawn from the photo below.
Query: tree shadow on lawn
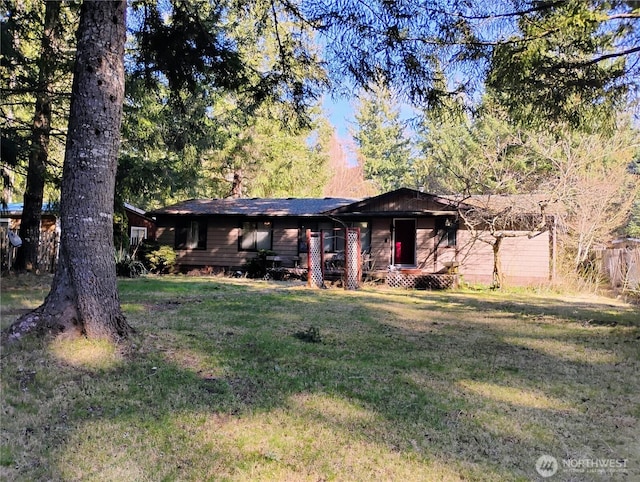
(196, 397)
(599, 313)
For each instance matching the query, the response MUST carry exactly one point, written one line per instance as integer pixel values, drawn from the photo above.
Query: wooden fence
(47, 252)
(622, 267)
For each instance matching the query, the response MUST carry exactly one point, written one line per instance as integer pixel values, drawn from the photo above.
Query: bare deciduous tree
(345, 180)
(593, 183)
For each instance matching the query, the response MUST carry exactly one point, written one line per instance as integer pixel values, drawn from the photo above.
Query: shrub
(257, 267)
(127, 265)
(161, 260)
(145, 247)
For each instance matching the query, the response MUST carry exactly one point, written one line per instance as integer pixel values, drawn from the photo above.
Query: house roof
(403, 201)
(400, 202)
(254, 206)
(131, 209)
(134, 209)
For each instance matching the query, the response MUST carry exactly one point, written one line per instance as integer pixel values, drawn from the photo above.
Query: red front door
(404, 242)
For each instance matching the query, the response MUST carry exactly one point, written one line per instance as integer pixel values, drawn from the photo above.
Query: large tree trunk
(27, 257)
(84, 296)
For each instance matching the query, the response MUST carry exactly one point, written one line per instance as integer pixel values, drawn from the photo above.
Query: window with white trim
(138, 234)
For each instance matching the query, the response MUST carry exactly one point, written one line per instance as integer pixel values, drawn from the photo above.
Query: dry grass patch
(514, 396)
(565, 350)
(83, 353)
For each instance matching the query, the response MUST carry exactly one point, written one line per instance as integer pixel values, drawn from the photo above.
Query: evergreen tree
(382, 140)
(572, 61)
(469, 154)
(47, 66)
(207, 130)
(37, 52)
(633, 227)
(84, 297)
(268, 159)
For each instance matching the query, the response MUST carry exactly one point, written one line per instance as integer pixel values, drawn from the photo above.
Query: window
(255, 235)
(191, 234)
(302, 235)
(446, 232)
(138, 233)
(365, 235)
(333, 235)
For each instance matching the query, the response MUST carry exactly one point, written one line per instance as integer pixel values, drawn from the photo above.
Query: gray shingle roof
(320, 206)
(254, 206)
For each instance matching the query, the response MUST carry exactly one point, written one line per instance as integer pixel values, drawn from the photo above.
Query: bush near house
(257, 267)
(158, 259)
(127, 265)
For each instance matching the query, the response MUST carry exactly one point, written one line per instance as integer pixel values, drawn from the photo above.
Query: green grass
(218, 384)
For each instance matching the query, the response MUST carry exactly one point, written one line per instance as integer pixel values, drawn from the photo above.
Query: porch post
(315, 259)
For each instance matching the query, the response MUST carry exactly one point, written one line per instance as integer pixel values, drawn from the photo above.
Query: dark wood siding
(222, 249)
(398, 202)
(134, 219)
(524, 260)
(285, 239)
(380, 243)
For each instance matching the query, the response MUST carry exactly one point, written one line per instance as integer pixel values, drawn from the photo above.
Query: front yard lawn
(240, 380)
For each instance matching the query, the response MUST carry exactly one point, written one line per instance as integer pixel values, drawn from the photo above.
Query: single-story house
(403, 229)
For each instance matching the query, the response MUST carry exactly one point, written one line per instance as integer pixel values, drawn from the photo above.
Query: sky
(340, 113)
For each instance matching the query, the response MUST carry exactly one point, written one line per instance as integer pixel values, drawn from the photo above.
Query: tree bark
(236, 186)
(498, 276)
(27, 256)
(84, 297)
